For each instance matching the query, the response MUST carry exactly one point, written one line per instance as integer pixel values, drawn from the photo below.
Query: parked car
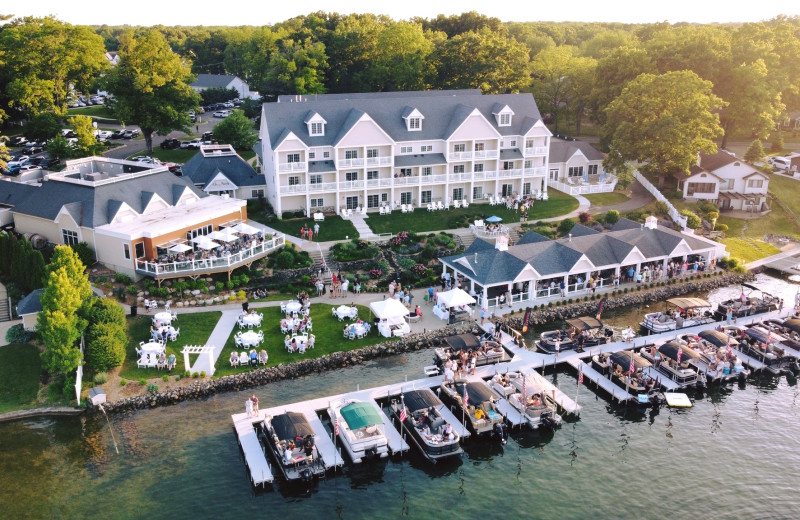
(20, 161)
(28, 167)
(32, 148)
(170, 144)
(194, 144)
(222, 113)
(117, 134)
(146, 160)
(130, 134)
(47, 162)
(17, 140)
(105, 134)
(208, 136)
(68, 132)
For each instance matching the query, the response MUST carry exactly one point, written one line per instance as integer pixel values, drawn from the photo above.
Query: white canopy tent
(391, 314)
(455, 298)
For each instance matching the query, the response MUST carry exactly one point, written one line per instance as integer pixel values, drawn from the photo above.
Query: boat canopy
(360, 415)
(291, 425)
(585, 323)
(623, 358)
(688, 303)
(478, 392)
(750, 286)
(671, 348)
(420, 400)
(792, 324)
(718, 338)
(463, 342)
(763, 336)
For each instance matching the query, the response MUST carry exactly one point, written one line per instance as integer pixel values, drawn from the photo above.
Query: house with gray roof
(727, 181)
(219, 170)
(367, 150)
(577, 167)
(225, 81)
(536, 266)
(29, 308)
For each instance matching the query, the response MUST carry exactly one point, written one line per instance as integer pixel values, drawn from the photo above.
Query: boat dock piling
(254, 457)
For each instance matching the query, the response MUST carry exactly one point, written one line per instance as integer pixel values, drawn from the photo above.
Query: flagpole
(580, 380)
(402, 413)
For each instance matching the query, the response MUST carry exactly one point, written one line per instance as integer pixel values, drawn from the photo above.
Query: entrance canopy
(455, 298)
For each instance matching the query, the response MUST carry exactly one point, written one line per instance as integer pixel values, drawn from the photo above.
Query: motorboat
(673, 360)
(716, 360)
(291, 440)
(475, 403)
(582, 332)
(679, 313)
(783, 334)
(461, 347)
(529, 396)
(361, 429)
(427, 429)
(754, 301)
(617, 367)
(759, 344)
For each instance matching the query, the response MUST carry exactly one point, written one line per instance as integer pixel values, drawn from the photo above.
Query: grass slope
(19, 376)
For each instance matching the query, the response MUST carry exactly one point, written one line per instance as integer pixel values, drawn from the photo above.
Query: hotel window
(372, 174)
(529, 143)
(459, 147)
(294, 181)
(425, 197)
(316, 203)
(458, 193)
(315, 179)
(513, 143)
(406, 149)
(351, 202)
(479, 147)
(528, 164)
(311, 155)
(426, 170)
(70, 237)
(477, 193)
(351, 176)
(478, 167)
(189, 235)
(138, 248)
(414, 123)
(458, 168)
(372, 201)
(575, 171)
(508, 165)
(505, 119)
(405, 197)
(426, 148)
(326, 155)
(351, 154)
(256, 194)
(507, 189)
(126, 250)
(317, 129)
(293, 158)
(526, 188)
(384, 197)
(406, 172)
(592, 169)
(372, 153)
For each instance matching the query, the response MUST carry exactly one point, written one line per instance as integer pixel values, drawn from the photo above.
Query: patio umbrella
(228, 235)
(494, 218)
(180, 248)
(247, 229)
(203, 242)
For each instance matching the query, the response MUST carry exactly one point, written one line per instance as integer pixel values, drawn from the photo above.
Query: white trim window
(69, 237)
(406, 149)
(426, 148)
(317, 128)
(316, 202)
(257, 194)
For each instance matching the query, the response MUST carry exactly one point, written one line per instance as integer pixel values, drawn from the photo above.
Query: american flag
(769, 336)
(680, 353)
(580, 376)
(403, 414)
(633, 365)
(524, 387)
(728, 348)
(466, 397)
(336, 427)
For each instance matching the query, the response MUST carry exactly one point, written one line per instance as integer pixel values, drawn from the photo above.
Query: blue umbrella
(493, 219)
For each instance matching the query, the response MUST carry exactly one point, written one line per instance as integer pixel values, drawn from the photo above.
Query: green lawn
(607, 199)
(421, 220)
(747, 249)
(333, 227)
(327, 329)
(19, 376)
(195, 330)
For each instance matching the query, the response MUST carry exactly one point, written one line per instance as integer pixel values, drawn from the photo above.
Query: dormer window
(502, 114)
(316, 124)
(413, 119)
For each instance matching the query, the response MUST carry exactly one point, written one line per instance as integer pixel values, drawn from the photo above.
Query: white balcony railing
(459, 156)
(292, 167)
(350, 163)
(379, 161)
(486, 154)
(209, 265)
(535, 150)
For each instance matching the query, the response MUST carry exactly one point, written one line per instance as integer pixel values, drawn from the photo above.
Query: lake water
(733, 455)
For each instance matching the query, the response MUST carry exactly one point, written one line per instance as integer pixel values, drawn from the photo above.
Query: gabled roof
(562, 151)
(579, 230)
(89, 204)
(479, 245)
(532, 237)
(444, 111)
(625, 223)
(713, 162)
(213, 80)
(31, 304)
(201, 170)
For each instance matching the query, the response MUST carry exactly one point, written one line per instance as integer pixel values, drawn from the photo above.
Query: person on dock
(254, 400)
(557, 346)
(248, 406)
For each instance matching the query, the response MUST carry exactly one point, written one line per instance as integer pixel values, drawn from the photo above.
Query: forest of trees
(574, 70)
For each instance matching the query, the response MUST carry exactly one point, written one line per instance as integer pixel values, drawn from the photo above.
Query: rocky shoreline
(419, 341)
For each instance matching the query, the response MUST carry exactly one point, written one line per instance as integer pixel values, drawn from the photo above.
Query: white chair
(244, 358)
(464, 203)
(403, 208)
(358, 209)
(142, 362)
(491, 200)
(388, 209)
(457, 204)
(439, 205)
(430, 207)
(319, 217)
(174, 335)
(349, 213)
(301, 347)
(343, 212)
(364, 211)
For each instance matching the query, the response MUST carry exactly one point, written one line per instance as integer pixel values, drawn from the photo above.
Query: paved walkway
(219, 336)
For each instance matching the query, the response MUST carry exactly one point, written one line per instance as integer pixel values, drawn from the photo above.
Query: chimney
(570, 237)
(651, 222)
(476, 257)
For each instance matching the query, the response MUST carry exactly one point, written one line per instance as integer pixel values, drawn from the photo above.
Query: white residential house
(574, 161)
(113, 58)
(335, 151)
(727, 181)
(226, 81)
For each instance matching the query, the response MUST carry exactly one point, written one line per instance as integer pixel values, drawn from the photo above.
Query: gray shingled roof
(561, 151)
(213, 80)
(89, 205)
(202, 170)
(532, 237)
(443, 112)
(579, 230)
(424, 159)
(13, 193)
(30, 304)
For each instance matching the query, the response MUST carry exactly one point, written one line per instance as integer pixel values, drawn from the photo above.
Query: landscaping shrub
(122, 278)
(18, 334)
(565, 226)
(584, 217)
(152, 388)
(101, 378)
(692, 220)
(84, 252)
(123, 382)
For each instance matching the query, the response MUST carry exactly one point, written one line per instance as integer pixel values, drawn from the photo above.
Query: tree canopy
(236, 130)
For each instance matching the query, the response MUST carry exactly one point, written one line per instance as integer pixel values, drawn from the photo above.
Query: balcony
(379, 161)
(433, 179)
(351, 163)
(515, 172)
(535, 150)
(539, 170)
(459, 156)
(486, 154)
(291, 167)
(194, 268)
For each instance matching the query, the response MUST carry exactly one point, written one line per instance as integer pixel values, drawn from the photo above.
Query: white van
(781, 163)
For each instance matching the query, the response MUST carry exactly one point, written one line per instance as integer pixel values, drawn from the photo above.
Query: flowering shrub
(419, 269)
(400, 238)
(375, 273)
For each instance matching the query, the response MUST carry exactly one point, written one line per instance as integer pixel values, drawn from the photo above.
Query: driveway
(136, 146)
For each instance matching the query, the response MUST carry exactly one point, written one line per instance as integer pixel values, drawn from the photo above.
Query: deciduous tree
(236, 130)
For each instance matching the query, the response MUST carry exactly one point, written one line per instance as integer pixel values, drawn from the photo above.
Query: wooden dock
(665, 382)
(598, 379)
(512, 415)
(749, 361)
(254, 457)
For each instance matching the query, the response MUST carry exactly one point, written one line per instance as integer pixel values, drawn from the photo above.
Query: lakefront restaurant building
(585, 260)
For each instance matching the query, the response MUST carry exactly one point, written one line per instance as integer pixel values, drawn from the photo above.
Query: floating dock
(665, 382)
(601, 381)
(254, 457)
